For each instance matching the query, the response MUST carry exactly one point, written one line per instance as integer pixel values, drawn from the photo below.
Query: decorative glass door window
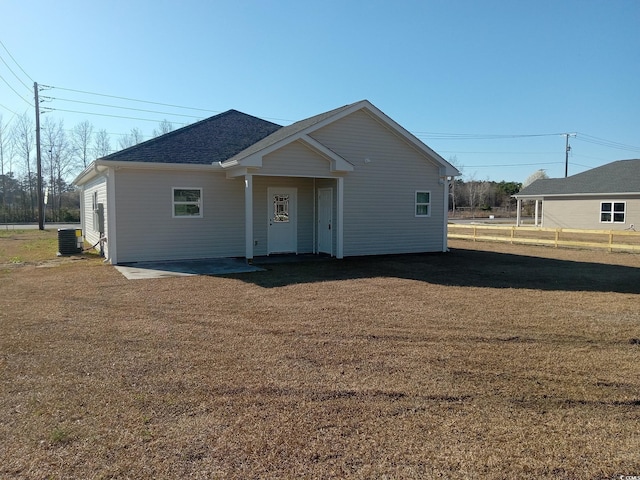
(281, 208)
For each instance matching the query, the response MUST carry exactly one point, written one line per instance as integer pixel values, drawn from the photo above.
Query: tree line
(484, 197)
(480, 197)
(64, 153)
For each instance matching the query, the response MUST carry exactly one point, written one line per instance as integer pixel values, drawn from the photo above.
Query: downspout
(112, 254)
(445, 216)
(340, 218)
(315, 217)
(248, 217)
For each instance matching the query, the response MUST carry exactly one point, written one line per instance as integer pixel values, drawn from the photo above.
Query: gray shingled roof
(622, 176)
(212, 140)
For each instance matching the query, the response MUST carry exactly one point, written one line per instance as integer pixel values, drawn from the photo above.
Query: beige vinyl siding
(295, 159)
(147, 230)
(584, 213)
(89, 230)
(305, 205)
(379, 195)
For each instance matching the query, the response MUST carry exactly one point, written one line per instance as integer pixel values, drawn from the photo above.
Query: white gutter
(100, 166)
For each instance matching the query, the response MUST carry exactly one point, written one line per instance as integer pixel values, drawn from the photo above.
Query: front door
(325, 220)
(282, 236)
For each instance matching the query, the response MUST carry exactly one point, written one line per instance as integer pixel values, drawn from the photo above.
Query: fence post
(610, 241)
(474, 233)
(557, 237)
(513, 231)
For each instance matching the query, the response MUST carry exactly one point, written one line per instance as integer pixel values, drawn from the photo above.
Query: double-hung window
(612, 212)
(187, 202)
(423, 204)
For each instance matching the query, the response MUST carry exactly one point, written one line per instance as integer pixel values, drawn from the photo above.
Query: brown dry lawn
(492, 361)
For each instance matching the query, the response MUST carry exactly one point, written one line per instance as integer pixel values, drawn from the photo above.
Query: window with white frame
(423, 204)
(612, 212)
(187, 202)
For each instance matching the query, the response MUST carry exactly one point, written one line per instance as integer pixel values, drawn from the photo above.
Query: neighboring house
(603, 198)
(348, 182)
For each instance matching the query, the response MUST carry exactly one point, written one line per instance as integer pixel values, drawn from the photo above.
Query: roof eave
(581, 194)
(99, 166)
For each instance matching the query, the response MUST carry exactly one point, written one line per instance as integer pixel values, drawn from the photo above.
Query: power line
(498, 153)
(135, 100)
(606, 143)
(156, 103)
(14, 91)
(8, 109)
(479, 136)
(15, 61)
(423, 134)
(104, 115)
(14, 73)
(122, 108)
(513, 165)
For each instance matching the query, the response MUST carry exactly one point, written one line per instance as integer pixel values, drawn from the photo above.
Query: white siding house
(347, 182)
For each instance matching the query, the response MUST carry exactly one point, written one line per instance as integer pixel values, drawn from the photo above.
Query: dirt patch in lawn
(492, 361)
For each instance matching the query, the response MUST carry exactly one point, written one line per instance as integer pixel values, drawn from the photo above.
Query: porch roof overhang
(253, 162)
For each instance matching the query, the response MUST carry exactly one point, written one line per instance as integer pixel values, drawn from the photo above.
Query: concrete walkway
(185, 268)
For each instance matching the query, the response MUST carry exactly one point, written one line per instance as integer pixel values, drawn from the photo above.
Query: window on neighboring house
(423, 204)
(187, 202)
(612, 212)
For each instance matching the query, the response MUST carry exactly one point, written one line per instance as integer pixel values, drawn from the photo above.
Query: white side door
(282, 231)
(325, 220)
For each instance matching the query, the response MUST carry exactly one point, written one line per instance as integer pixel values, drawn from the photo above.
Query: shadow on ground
(459, 267)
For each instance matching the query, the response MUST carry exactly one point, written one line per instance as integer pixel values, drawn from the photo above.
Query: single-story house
(347, 182)
(603, 198)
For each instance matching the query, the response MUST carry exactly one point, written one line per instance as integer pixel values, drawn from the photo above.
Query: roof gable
(622, 176)
(209, 141)
(301, 130)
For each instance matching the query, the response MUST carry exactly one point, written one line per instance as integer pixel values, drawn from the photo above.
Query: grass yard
(492, 361)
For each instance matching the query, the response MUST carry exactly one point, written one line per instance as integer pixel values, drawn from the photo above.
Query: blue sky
(492, 83)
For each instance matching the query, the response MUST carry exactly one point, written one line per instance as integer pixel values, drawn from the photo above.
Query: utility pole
(567, 149)
(39, 159)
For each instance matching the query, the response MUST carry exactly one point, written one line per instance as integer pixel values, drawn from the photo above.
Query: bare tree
(131, 139)
(535, 176)
(3, 153)
(57, 153)
(165, 126)
(453, 160)
(23, 134)
(476, 192)
(81, 137)
(101, 144)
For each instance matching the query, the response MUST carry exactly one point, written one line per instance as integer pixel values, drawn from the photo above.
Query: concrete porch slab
(185, 268)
